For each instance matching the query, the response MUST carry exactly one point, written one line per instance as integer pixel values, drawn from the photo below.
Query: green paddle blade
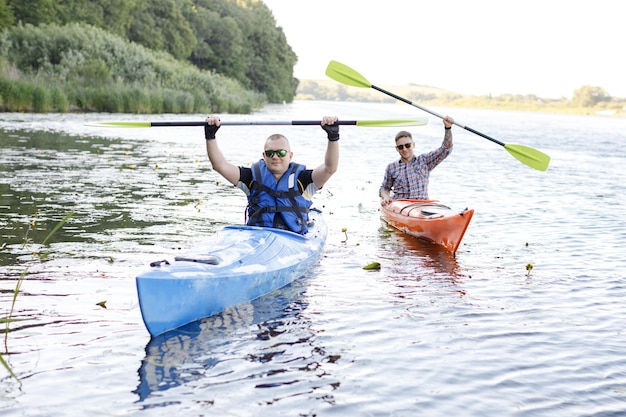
(346, 75)
(529, 156)
(392, 123)
(120, 124)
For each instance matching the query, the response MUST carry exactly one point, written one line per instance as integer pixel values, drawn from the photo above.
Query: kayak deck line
(210, 260)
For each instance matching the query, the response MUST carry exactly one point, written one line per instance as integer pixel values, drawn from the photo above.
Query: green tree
(589, 96)
(34, 11)
(6, 15)
(271, 63)
(114, 16)
(240, 39)
(160, 25)
(221, 43)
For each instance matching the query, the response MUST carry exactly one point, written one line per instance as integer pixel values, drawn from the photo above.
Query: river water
(429, 334)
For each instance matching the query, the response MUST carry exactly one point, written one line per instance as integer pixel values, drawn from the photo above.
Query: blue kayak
(241, 264)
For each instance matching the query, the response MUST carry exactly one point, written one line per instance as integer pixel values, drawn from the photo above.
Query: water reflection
(185, 354)
(421, 274)
(417, 252)
(190, 353)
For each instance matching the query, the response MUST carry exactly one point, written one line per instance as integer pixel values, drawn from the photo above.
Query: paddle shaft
(364, 123)
(407, 101)
(253, 123)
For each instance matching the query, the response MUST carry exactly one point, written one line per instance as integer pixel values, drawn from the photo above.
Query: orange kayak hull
(429, 220)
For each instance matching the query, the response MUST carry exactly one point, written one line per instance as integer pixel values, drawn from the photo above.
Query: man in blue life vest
(279, 191)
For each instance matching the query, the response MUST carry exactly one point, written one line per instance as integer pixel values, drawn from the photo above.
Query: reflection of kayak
(191, 352)
(242, 264)
(430, 220)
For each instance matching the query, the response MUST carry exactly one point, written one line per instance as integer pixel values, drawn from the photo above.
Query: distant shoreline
(592, 105)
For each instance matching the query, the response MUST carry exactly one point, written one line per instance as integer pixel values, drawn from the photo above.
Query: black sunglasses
(280, 152)
(406, 145)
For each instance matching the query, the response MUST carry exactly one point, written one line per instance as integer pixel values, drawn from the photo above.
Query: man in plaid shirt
(408, 176)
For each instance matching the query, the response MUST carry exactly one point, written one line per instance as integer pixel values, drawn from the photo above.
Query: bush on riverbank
(78, 67)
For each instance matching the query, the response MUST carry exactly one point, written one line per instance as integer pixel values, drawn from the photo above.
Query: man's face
(277, 164)
(404, 146)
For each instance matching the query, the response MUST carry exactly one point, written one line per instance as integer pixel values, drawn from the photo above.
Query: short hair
(278, 136)
(402, 134)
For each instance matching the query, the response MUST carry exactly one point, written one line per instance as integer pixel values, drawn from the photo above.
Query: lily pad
(372, 266)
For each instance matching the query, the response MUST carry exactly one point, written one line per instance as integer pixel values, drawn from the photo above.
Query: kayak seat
(418, 205)
(423, 212)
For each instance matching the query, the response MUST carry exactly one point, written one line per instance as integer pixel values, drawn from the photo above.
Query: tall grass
(9, 318)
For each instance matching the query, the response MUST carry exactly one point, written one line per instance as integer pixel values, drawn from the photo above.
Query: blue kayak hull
(243, 263)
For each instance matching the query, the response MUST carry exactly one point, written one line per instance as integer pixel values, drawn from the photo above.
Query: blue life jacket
(268, 197)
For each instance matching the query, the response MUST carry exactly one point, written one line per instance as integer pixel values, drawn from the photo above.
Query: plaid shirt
(410, 180)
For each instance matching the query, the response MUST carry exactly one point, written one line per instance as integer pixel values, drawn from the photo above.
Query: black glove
(209, 131)
(332, 131)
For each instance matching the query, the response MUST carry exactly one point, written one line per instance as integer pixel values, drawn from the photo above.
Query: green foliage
(271, 70)
(215, 35)
(235, 38)
(42, 102)
(115, 16)
(33, 11)
(93, 70)
(240, 40)
(58, 100)
(160, 25)
(6, 15)
(16, 96)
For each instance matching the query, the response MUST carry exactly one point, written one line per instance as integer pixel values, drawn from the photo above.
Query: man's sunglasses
(280, 152)
(406, 145)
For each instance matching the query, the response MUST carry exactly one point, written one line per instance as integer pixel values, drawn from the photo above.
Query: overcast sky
(544, 47)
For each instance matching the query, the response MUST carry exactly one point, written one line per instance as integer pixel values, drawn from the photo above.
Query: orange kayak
(430, 220)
